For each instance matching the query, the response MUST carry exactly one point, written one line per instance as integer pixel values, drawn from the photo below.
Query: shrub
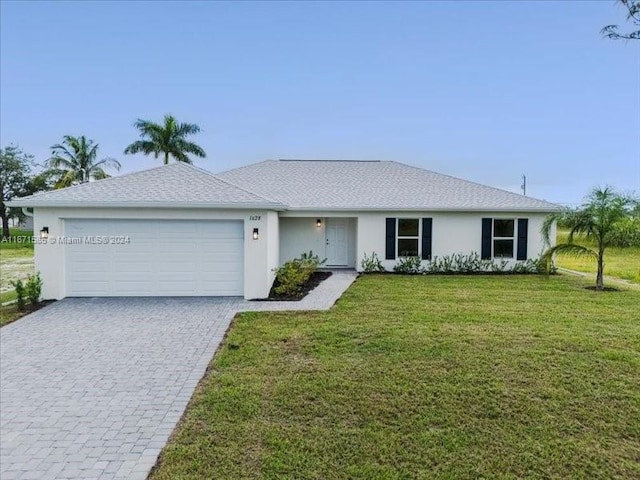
(472, 263)
(292, 275)
(460, 263)
(409, 266)
(372, 264)
(626, 233)
(534, 265)
(20, 293)
(34, 288)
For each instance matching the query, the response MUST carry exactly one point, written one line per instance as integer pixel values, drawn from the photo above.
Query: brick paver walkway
(92, 388)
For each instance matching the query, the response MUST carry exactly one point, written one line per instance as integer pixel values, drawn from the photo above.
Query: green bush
(626, 233)
(292, 275)
(372, 264)
(21, 293)
(409, 266)
(34, 288)
(472, 263)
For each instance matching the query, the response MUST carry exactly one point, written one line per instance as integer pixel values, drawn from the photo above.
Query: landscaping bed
(316, 279)
(11, 313)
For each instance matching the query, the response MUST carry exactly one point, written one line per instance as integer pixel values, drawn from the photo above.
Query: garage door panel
(90, 287)
(90, 267)
(194, 258)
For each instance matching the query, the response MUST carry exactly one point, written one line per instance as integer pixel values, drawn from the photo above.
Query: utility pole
(524, 185)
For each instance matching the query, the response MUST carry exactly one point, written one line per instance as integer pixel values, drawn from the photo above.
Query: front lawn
(619, 262)
(424, 377)
(16, 261)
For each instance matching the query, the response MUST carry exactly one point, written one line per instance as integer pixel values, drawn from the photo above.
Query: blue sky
(481, 90)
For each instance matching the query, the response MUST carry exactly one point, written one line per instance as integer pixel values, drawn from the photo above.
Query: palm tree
(74, 161)
(596, 220)
(168, 138)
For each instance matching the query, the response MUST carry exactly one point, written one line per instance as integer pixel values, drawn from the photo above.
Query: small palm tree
(596, 220)
(74, 161)
(168, 139)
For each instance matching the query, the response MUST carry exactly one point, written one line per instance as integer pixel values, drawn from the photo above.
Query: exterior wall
(453, 232)
(301, 234)
(260, 255)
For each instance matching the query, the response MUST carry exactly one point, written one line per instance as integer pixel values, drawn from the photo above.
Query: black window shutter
(523, 227)
(486, 238)
(427, 228)
(390, 252)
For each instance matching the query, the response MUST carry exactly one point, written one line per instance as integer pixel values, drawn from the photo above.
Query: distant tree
(597, 219)
(74, 161)
(168, 138)
(15, 172)
(37, 183)
(633, 15)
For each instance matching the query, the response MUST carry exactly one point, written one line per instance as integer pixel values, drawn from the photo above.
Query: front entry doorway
(337, 242)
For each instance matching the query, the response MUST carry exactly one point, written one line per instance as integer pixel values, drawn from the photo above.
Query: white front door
(337, 244)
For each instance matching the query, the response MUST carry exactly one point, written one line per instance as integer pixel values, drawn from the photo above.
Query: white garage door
(160, 258)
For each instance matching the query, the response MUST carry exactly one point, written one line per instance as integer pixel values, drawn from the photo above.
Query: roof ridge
(327, 160)
(224, 180)
(469, 181)
(246, 166)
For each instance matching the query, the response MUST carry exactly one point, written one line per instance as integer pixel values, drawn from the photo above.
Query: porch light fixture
(255, 234)
(319, 222)
(44, 233)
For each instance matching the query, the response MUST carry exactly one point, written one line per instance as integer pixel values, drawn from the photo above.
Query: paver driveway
(92, 388)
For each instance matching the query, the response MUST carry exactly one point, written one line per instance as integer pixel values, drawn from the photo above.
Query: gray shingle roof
(291, 184)
(174, 185)
(373, 185)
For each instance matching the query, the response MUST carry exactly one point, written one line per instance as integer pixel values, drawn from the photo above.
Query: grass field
(16, 262)
(424, 377)
(619, 262)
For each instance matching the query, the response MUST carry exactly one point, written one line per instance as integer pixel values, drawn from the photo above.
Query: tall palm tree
(596, 220)
(168, 139)
(74, 161)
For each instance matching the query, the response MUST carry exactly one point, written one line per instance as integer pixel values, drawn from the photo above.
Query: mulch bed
(27, 310)
(316, 279)
(605, 289)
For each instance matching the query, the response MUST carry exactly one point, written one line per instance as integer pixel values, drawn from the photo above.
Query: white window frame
(513, 238)
(409, 237)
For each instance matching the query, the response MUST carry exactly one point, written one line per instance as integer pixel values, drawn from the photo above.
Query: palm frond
(57, 162)
(99, 174)
(67, 179)
(189, 147)
(141, 146)
(185, 129)
(107, 162)
(168, 138)
(566, 248)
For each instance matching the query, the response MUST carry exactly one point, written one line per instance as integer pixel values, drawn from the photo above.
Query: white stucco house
(180, 230)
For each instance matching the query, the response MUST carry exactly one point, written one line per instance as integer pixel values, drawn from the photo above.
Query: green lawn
(16, 261)
(9, 314)
(424, 377)
(619, 262)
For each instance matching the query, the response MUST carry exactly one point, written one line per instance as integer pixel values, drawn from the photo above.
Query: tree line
(75, 160)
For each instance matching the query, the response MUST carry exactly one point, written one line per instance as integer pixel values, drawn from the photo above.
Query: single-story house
(180, 230)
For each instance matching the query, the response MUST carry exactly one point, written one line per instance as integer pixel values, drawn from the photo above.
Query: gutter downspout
(27, 212)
